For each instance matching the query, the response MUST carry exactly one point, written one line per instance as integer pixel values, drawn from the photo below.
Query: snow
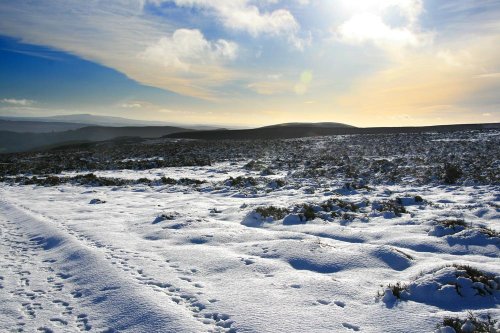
(199, 258)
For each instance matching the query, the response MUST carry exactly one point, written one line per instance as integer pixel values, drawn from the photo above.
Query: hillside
(22, 126)
(74, 121)
(298, 130)
(11, 141)
(312, 125)
(14, 142)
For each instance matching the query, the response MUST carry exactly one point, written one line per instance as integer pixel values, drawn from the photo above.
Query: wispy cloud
(118, 34)
(489, 76)
(131, 105)
(20, 102)
(272, 87)
(43, 55)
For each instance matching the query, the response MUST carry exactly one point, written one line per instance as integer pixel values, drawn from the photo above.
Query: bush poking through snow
(267, 172)
(397, 289)
(451, 174)
(489, 232)
(92, 180)
(254, 165)
(168, 181)
(166, 217)
(471, 324)
(308, 212)
(409, 201)
(334, 204)
(454, 224)
(484, 283)
(448, 227)
(241, 181)
(356, 186)
(189, 181)
(391, 206)
(393, 291)
(456, 285)
(276, 213)
(451, 227)
(258, 217)
(276, 183)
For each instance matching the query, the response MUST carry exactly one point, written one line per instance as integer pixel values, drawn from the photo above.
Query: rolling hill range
(11, 141)
(16, 142)
(29, 126)
(75, 121)
(298, 130)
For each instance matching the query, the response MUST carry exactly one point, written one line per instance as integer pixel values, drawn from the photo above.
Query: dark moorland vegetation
(419, 158)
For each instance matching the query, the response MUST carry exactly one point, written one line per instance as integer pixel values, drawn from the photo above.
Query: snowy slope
(199, 258)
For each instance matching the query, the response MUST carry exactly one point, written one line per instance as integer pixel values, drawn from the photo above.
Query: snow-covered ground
(203, 258)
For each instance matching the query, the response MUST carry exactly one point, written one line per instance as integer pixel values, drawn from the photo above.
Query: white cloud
(186, 47)
(131, 105)
(368, 22)
(240, 15)
(274, 76)
(370, 27)
(21, 102)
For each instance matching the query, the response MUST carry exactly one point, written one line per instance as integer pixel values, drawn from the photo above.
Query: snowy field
(281, 251)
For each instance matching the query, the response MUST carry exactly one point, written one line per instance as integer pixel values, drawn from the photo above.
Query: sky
(253, 62)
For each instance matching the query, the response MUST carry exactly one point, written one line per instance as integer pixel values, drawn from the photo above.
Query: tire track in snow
(216, 322)
(37, 289)
(213, 322)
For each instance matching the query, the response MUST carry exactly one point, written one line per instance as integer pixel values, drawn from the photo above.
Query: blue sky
(253, 62)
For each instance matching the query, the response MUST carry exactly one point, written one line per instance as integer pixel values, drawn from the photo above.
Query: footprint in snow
(339, 303)
(64, 276)
(247, 261)
(82, 322)
(58, 301)
(59, 321)
(350, 327)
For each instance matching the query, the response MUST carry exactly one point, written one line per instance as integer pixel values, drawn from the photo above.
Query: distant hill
(15, 142)
(298, 130)
(49, 124)
(11, 141)
(311, 125)
(90, 119)
(37, 126)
